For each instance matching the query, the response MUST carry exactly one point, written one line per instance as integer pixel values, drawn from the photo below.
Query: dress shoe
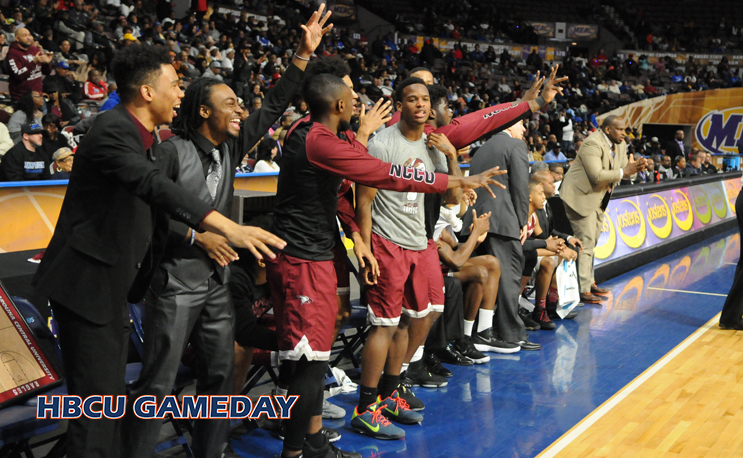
(734, 326)
(595, 289)
(588, 298)
(527, 345)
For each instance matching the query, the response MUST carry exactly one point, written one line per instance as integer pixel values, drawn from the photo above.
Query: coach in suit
(675, 147)
(509, 213)
(601, 163)
(107, 240)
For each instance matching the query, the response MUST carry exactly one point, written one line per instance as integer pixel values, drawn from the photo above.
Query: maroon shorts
(402, 285)
(432, 265)
(341, 269)
(305, 306)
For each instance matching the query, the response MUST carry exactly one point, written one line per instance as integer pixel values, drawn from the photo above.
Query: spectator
(694, 167)
(113, 100)
(286, 122)
(26, 161)
(676, 146)
(267, 151)
(679, 167)
(65, 83)
(554, 153)
(666, 170)
(29, 111)
(95, 88)
(538, 154)
(53, 139)
(63, 159)
(214, 70)
(5, 141)
(66, 55)
(56, 104)
(27, 64)
(707, 166)
(558, 172)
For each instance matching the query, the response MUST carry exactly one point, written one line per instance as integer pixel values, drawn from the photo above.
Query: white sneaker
(332, 411)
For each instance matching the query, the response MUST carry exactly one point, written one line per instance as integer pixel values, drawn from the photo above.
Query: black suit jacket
(673, 149)
(510, 208)
(111, 217)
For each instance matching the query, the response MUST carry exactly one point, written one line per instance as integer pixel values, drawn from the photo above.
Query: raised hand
(313, 31)
(533, 91)
(481, 180)
(441, 143)
(373, 119)
(551, 86)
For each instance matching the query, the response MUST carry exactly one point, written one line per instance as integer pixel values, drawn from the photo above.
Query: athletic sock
(484, 320)
(541, 303)
(468, 325)
(281, 391)
(367, 395)
(316, 440)
(388, 385)
(418, 355)
(404, 367)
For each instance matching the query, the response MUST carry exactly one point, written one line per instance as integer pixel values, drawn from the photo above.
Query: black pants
(511, 256)
(450, 325)
(733, 308)
(94, 358)
(203, 317)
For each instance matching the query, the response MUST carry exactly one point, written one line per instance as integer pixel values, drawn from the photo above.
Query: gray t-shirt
(399, 216)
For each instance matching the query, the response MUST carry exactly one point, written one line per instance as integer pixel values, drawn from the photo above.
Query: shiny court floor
(517, 405)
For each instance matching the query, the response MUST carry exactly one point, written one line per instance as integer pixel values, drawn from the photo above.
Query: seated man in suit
(547, 224)
(601, 163)
(679, 167)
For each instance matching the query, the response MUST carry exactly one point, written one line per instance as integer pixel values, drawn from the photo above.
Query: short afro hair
(405, 83)
(137, 65)
(321, 91)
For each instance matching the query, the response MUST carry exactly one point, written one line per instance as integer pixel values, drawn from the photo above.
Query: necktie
(215, 173)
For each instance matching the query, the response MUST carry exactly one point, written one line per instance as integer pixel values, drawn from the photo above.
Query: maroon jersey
(315, 161)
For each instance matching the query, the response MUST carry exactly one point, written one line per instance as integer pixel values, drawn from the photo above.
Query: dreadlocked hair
(189, 117)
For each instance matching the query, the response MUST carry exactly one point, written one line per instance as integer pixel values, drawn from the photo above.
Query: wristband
(541, 102)
(306, 59)
(193, 237)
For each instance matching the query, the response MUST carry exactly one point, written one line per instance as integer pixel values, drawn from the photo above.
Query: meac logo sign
(720, 131)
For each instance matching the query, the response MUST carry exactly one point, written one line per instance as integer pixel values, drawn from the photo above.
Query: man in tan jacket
(601, 164)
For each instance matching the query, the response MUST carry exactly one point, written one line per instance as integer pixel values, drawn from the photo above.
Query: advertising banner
(717, 116)
(637, 222)
(543, 29)
(583, 31)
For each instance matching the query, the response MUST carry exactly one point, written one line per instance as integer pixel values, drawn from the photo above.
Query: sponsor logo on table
(659, 216)
(681, 210)
(630, 223)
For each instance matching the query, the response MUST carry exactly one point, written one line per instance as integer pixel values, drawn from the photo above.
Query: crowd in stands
(251, 54)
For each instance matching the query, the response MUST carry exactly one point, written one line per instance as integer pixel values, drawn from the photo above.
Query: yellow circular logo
(732, 189)
(630, 217)
(605, 248)
(717, 200)
(679, 206)
(659, 216)
(701, 204)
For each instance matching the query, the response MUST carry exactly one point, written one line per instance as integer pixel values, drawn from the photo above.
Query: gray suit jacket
(510, 208)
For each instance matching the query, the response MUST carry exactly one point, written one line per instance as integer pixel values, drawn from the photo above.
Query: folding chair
(351, 344)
